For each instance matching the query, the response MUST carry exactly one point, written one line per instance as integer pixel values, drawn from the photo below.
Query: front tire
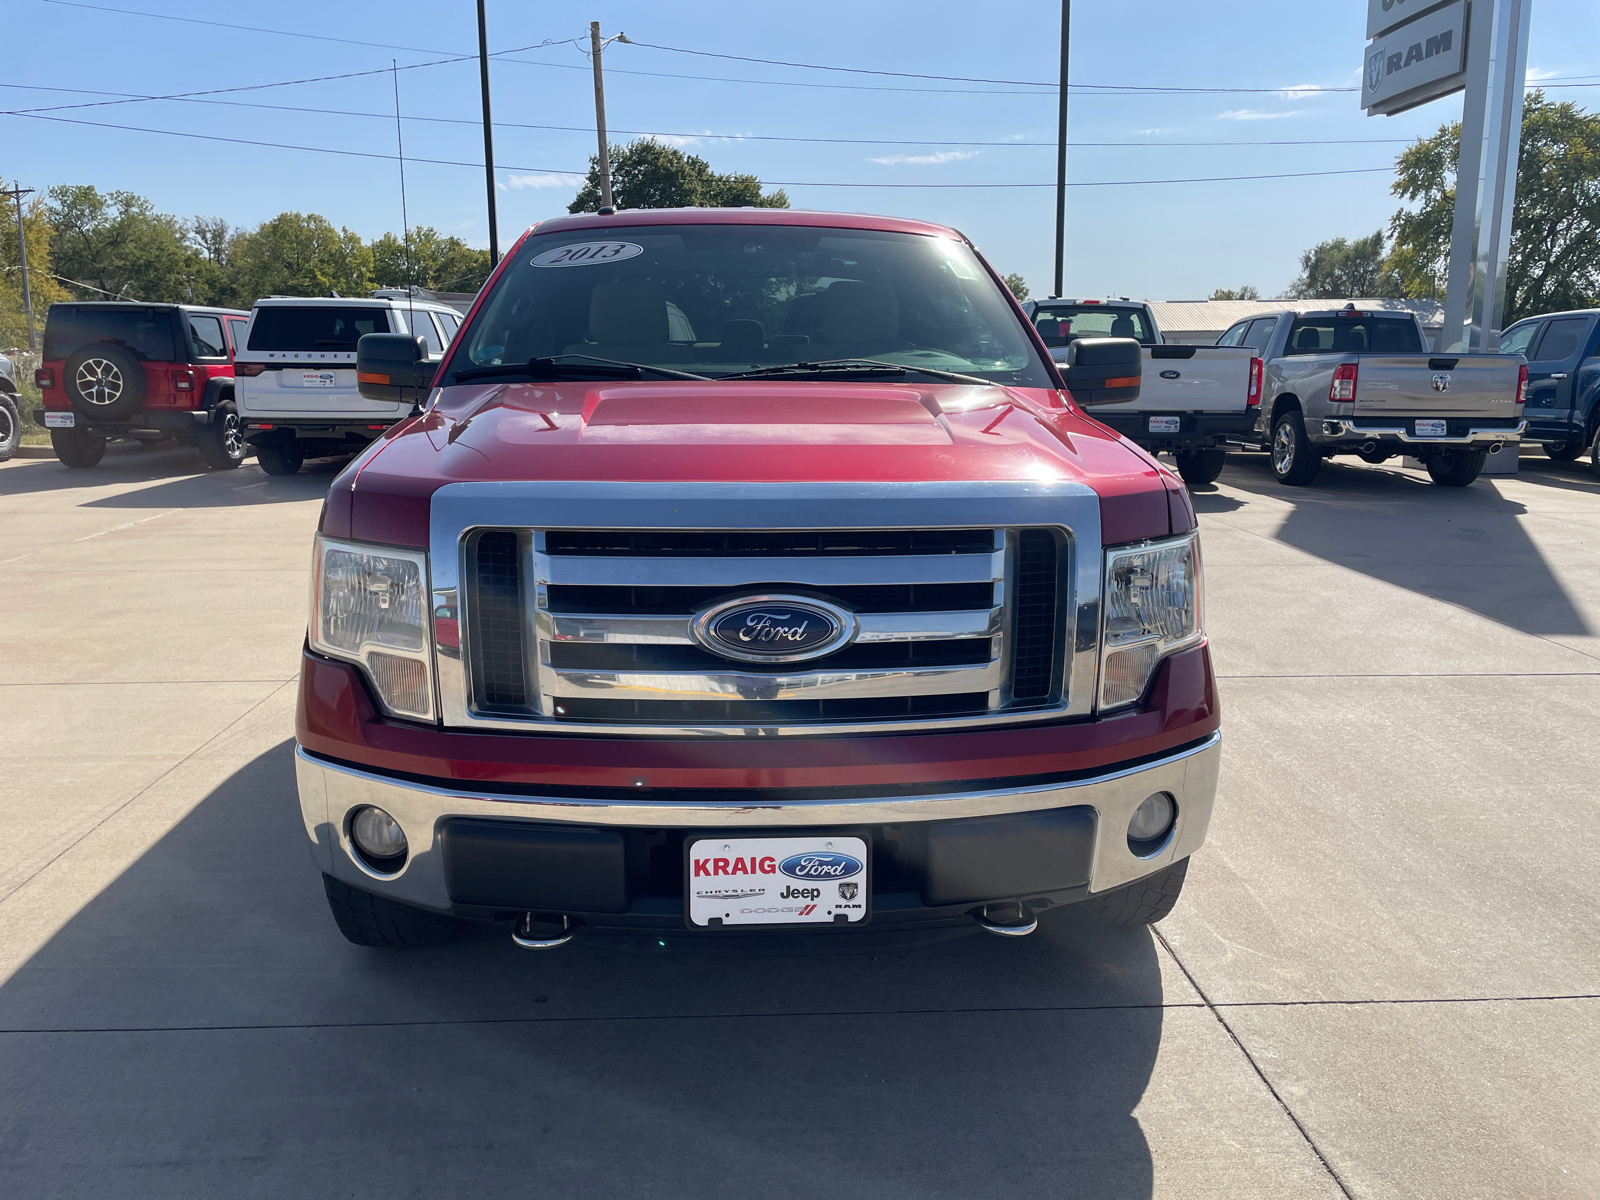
(1142, 902)
(1201, 466)
(1295, 460)
(279, 459)
(371, 920)
(222, 442)
(77, 447)
(10, 426)
(1456, 467)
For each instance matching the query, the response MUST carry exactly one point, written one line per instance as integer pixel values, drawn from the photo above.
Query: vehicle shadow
(177, 479)
(1466, 546)
(1566, 476)
(200, 1028)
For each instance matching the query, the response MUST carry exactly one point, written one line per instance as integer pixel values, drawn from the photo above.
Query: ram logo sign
(1417, 61)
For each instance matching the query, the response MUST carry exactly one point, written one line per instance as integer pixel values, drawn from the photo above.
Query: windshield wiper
(559, 366)
(855, 366)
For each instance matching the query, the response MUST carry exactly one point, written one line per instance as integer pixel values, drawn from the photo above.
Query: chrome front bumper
(1355, 430)
(330, 793)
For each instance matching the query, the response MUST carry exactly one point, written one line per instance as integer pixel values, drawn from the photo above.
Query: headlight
(1152, 607)
(370, 607)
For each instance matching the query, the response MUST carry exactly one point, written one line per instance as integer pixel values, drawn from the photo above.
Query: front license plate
(1165, 424)
(1433, 428)
(60, 420)
(777, 881)
(316, 379)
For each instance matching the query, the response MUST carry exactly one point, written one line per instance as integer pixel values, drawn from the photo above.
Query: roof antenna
(405, 222)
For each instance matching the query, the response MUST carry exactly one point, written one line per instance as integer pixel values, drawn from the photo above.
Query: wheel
(1142, 902)
(1201, 466)
(10, 426)
(1456, 466)
(222, 442)
(370, 920)
(1295, 460)
(105, 382)
(1594, 453)
(1567, 451)
(77, 447)
(279, 459)
(1375, 457)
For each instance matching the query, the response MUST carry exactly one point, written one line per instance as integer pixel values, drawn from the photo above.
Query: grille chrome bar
(862, 533)
(748, 685)
(624, 629)
(745, 572)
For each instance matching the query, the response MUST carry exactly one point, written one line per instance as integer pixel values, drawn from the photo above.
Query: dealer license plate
(777, 881)
(60, 420)
(1433, 429)
(316, 379)
(1165, 424)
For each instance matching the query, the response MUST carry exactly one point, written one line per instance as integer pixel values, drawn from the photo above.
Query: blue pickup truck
(1563, 398)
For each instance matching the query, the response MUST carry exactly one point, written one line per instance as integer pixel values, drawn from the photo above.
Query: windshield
(332, 327)
(1059, 324)
(722, 299)
(145, 331)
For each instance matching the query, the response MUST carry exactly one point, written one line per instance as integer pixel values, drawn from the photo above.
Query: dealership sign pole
(1419, 51)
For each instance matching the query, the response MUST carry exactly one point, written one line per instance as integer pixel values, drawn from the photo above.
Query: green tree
(1555, 227)
(1247, 292)
(648, 174)
(1339, 270)
(300, 254)
(443, 263)
(116, 245)
(42, 284)
(1018, 285)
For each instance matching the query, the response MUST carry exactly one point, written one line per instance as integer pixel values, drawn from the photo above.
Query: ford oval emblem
(1169, 374)
(820, 864)
(773, 629)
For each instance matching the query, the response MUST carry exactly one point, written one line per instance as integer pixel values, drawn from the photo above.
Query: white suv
(295, 377)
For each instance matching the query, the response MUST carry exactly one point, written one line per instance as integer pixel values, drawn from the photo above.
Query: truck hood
(746, 431)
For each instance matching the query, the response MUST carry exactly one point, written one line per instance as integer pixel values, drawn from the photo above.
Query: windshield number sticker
(586, 254)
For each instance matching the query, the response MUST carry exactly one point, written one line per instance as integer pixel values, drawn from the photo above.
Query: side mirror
(1101, 370)
(393, 366)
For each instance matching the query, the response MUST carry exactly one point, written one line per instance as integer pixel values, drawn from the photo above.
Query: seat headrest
(857, 311)
(1122, 326)
(1308, 339)
(628, 312)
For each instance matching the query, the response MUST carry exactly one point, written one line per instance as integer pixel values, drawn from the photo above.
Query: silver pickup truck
(1192, 400)
(1352, 382)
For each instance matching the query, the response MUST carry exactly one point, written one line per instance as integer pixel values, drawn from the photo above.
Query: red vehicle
(751, 570)
(142, 371)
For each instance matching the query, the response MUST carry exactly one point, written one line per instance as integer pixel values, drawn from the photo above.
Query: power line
(733, 137)
(768, 183)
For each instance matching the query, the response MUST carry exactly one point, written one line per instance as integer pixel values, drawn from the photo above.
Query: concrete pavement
(1382, 979)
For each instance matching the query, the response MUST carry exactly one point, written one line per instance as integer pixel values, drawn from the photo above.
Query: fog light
(378, 835)
(1151, 820)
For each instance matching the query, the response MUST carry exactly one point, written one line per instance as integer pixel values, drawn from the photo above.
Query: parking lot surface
(1383, 978)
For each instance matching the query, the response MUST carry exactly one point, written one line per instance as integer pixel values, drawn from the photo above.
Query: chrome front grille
(588, 627)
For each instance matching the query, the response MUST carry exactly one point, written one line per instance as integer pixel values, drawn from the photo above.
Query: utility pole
(17, 193)
(1061, 150)
(488, 136)
(596, 45)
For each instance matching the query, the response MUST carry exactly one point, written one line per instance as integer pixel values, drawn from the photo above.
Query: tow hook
(522, 934)
(1007, 920)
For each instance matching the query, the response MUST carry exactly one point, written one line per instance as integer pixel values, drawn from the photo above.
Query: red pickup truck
(749, 570)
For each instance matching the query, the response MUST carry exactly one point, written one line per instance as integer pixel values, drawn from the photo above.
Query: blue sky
(1157, 242)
